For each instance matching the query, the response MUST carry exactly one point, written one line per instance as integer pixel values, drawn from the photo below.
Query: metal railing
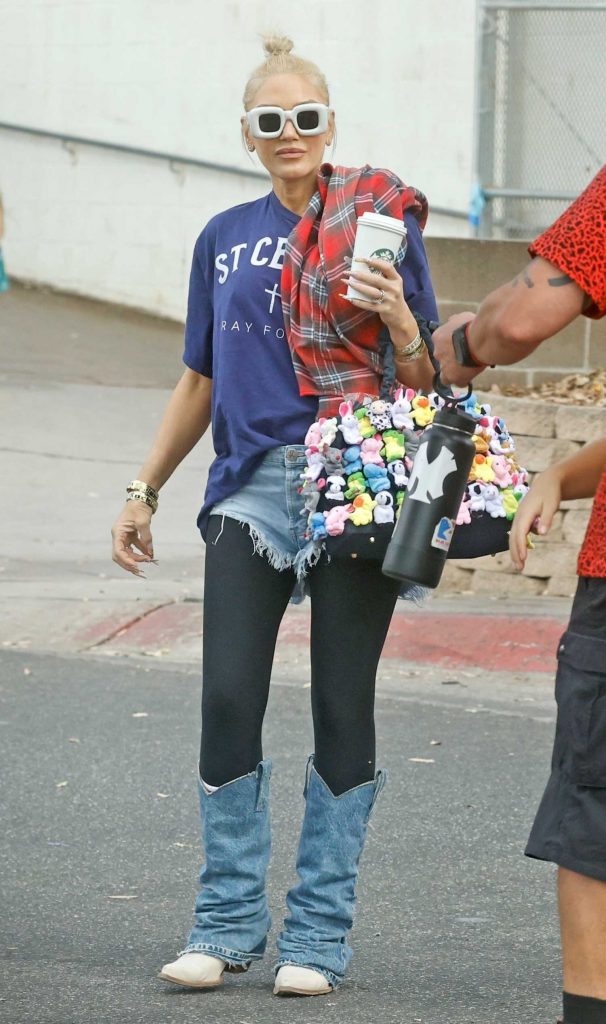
(539, 111)
(172, 159)
(118, 147)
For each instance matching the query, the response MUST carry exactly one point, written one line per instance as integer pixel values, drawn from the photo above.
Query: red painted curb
(513, 643)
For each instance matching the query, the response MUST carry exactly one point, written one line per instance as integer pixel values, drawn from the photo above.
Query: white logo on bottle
(427, 478)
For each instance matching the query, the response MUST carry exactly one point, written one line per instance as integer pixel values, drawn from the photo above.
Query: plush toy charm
(317, 526)
(334, 489)
(398, 472)
(352, 463)
(481, 442)
(411, 442)
(363, 507)
(328, 429)
(379, 414)
(481, 469)
(401, 408)
(315, 464)
(393, 445)
(476, 497)
(333, 461)
(384, 510)
(350, 426)
(356, 484)
(336, 518)
(371, 451)
(311, 490)
(510, 502)
(422, 413)
(463, 515)
(313, 436)
(492, 501)
(366, 427)
(502, 473)
(377, 477)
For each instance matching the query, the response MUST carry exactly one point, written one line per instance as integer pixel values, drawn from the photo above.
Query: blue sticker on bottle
(442, 535)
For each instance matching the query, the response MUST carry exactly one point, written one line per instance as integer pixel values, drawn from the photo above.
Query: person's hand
(132, 530)
(381, 278)
(535, 514)
(452, 372)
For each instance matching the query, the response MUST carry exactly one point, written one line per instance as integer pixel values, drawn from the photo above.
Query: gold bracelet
(417, 353)
(145, 498)
(406, 350)
(140, 485)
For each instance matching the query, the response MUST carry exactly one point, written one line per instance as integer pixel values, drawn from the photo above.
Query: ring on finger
(377, 302)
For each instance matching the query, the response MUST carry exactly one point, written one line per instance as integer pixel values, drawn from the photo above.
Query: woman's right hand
(132, 530)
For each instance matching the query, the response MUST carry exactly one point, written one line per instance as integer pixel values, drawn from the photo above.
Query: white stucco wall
(168, 75)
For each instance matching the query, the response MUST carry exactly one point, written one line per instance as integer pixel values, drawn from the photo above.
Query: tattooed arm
(513, 320)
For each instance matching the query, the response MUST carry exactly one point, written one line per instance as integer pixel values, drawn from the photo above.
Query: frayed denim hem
(299, 563)
(231, 956)
(332, 979)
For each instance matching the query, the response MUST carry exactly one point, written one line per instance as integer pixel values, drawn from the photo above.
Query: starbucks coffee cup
(377, 237)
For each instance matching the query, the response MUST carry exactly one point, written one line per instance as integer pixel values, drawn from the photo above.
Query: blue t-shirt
(235, 334)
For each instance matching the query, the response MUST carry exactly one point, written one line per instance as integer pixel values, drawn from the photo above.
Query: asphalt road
(453, 925)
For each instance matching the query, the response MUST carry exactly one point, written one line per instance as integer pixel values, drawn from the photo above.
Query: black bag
(359, 462)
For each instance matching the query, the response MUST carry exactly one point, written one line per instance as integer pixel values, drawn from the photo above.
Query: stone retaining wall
(465, 270)
(544, 433)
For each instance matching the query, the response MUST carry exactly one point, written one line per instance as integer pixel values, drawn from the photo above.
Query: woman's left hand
(385, 292)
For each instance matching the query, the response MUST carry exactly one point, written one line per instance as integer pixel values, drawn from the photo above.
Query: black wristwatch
(460, 344)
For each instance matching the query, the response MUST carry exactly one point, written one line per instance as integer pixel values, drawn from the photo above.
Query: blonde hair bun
(280, 61)
(275, 46)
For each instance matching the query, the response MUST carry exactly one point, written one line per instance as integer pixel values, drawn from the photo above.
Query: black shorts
(570, 826)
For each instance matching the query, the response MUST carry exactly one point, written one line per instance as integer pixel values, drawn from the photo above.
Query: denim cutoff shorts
(271, 507)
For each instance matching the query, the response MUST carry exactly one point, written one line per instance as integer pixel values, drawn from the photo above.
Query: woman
(261, 396)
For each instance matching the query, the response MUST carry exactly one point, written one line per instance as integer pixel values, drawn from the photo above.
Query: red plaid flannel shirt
(334, 345)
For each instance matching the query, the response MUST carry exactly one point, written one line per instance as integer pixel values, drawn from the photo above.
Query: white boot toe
(300, 981)
(195, 970)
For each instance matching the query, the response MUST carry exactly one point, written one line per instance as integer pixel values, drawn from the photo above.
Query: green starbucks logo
(383, 254)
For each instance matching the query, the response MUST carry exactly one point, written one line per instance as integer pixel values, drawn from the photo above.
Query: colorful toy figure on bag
(359, 464)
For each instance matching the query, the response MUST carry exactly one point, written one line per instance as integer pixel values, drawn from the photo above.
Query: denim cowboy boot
(231, 915)
(321, 904)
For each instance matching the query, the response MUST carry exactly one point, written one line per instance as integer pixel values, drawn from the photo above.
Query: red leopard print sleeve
(576, 243)
(592, 559)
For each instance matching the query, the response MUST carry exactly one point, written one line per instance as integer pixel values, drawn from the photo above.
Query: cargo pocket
(580, 745)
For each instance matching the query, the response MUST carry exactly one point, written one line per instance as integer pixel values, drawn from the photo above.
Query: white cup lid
(379, 220)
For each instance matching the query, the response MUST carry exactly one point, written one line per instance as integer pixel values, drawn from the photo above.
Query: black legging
(244, 602)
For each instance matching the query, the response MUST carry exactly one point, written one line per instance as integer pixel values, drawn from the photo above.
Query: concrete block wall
(169, 77)
(544, 433)
(464, 271)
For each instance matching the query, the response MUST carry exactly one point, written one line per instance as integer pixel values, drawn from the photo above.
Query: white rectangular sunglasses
(269, 122)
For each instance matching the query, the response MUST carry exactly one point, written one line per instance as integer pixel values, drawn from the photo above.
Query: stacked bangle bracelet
(414, 350)
(138, 490)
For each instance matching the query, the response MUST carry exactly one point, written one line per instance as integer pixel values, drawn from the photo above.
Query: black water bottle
(419, 546)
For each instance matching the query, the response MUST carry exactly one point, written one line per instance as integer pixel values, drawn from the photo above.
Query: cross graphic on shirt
(274, 292)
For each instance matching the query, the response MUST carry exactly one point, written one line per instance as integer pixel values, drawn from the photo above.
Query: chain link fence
(541, 112)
